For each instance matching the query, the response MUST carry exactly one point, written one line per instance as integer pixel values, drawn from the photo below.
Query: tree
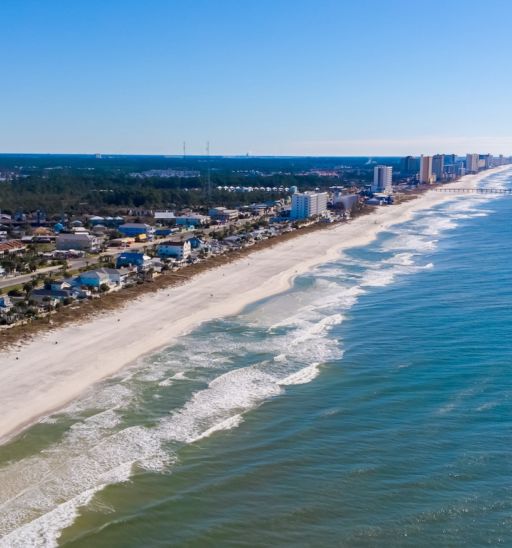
(15, 293)
(27, 287)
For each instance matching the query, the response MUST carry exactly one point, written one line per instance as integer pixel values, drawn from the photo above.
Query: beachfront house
(101, 276)
(196, 242)
(5, 304)
(49, 296)
(175, 250)
(132, 259)
(59, 285)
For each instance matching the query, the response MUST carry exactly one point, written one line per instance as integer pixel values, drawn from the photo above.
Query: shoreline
(42, 376)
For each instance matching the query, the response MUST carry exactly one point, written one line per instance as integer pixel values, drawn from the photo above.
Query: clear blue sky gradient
(276, 77)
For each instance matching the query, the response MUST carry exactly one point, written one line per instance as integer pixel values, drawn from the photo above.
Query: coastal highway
(10, 281)
(74, 264)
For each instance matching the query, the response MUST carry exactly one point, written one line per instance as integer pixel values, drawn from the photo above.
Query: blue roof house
(196, 243)
(5, 303)
(132, 258)
(134, 229)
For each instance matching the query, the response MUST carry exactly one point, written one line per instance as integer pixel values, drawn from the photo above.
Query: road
(9, 281)
(74, 264)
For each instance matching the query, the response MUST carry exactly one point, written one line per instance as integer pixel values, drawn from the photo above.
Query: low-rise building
(165, 217)
(344, 202)
(5, 304)
(163, 232)
(135, 229)
(79, 241)
(176, 250)
(49, 296)
(192, 220)
(262, 209)
(223, 214)
(133, 259)
(12, 246)
(95, 278)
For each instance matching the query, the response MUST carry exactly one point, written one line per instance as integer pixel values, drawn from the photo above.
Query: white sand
(42, 376)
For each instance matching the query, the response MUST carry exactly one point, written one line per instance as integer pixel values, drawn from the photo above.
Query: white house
(176, 250)
(164, 216)
(76, 241)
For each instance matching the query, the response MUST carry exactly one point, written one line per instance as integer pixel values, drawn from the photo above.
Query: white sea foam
(303, 376)
(378, 278)
(230, 394)
(414, 242)
(165, 382)
(45, 530)
(487, 406)
(403, 259)
(94, 447)
(227, 424)
(90, 456)
(311, 329)
(109, 396)
(440, 225)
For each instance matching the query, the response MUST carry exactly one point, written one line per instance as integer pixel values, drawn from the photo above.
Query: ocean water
(369, 405)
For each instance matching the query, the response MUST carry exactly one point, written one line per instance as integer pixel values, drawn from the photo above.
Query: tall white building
(472, 163)
(425, 175)
(382, 179)
(308, 204)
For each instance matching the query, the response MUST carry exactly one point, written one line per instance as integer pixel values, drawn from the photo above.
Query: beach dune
(42, 376)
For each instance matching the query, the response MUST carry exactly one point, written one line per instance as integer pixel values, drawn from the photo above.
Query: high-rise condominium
(308, 204)
(382, 179)
(472, 163)
(425, 175)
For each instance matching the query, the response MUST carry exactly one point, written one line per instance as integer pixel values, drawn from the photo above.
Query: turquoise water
(369, 405)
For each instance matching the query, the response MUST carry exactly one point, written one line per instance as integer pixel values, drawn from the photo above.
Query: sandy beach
(45, 374)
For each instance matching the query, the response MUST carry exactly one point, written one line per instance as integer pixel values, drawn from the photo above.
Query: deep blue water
(370, 405)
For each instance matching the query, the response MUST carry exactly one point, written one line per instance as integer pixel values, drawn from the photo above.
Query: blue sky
(276, 77)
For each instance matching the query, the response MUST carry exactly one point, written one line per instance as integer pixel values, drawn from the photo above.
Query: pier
(474, 190)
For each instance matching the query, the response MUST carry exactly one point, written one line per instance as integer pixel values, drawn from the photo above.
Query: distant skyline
(265, 77)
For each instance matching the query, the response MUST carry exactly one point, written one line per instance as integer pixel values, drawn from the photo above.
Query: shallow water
(369, 404)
